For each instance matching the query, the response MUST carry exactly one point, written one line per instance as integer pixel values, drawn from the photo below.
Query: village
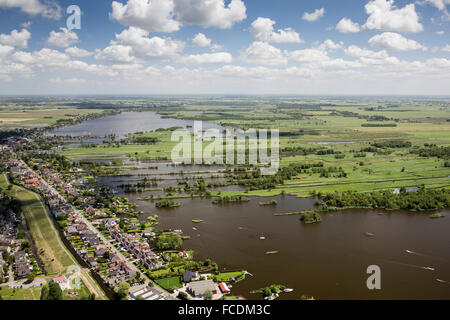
(117, 247)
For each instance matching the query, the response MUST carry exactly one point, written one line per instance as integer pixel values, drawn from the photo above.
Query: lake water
(326, 260)
(125, 123)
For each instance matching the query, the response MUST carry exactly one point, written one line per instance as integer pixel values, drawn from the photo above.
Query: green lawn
(55, 259)
(225, 277)
(20, 294)
(170, 283)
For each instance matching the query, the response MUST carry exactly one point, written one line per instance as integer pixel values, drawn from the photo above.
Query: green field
(20, 294)
(38, 117)
(169, 283)
(54, 257)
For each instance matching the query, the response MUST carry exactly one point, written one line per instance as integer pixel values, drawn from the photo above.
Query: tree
(208, 295)
(182, 296)
(54, 291)
(124, 287)
(30, 277)
(44, 293)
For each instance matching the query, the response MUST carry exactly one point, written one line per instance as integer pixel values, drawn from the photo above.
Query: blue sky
(233, 46)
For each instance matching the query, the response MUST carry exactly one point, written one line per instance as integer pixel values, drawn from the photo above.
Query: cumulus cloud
(201, 40)
(330, 45)
(62, 39)
(170, 15)
(133, 44)
(5, 51)
(211, 13)
(308, 55)
(153, 15)
(148, 48)
(16, 38)
(47, 9)
(263, 53)
(384, 15)
(116, 54)
(395, 42)
(208, 58)
(77, 52)
(348, 26)
(262, 29)
(314, 16)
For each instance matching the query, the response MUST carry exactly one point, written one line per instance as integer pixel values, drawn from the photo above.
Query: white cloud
(148, 48)
(262, 29)
(211, 13)
(371, 58)
(314, 16)
(62, 39)
(208, 58)
(440, 33)
(446, 48)
(153, 15)
(48, 9)
(440, 4)
(348, 26)
(355, 51)
(16, 38)
(263, 53)
(384, 15)
(308, 55)
(395, 42)
(58, 80)
(201, 40)
(170, 15)
(5, 51)
(77, 52)
(116, 53)
(246, 72)
(330, 45)
(26, 24)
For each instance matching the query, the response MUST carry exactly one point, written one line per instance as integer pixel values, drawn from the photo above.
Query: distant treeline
(257, 182)
(392, 144)
(382, 125)
(433, 151)
(303, 106)
(424, 199)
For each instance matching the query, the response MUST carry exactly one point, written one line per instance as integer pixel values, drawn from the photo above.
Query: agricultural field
(51, 251)
(337, 133)
(38, 117)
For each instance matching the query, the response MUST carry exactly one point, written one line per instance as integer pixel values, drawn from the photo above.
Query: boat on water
(408, 251)
(194, 228)
(272, 252)
(370, 234)
(288, 290)
(429, 268)
(269, 298)
(262, 238)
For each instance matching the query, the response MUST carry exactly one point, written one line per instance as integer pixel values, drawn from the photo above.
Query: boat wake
(442, 281)
(411, 265)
